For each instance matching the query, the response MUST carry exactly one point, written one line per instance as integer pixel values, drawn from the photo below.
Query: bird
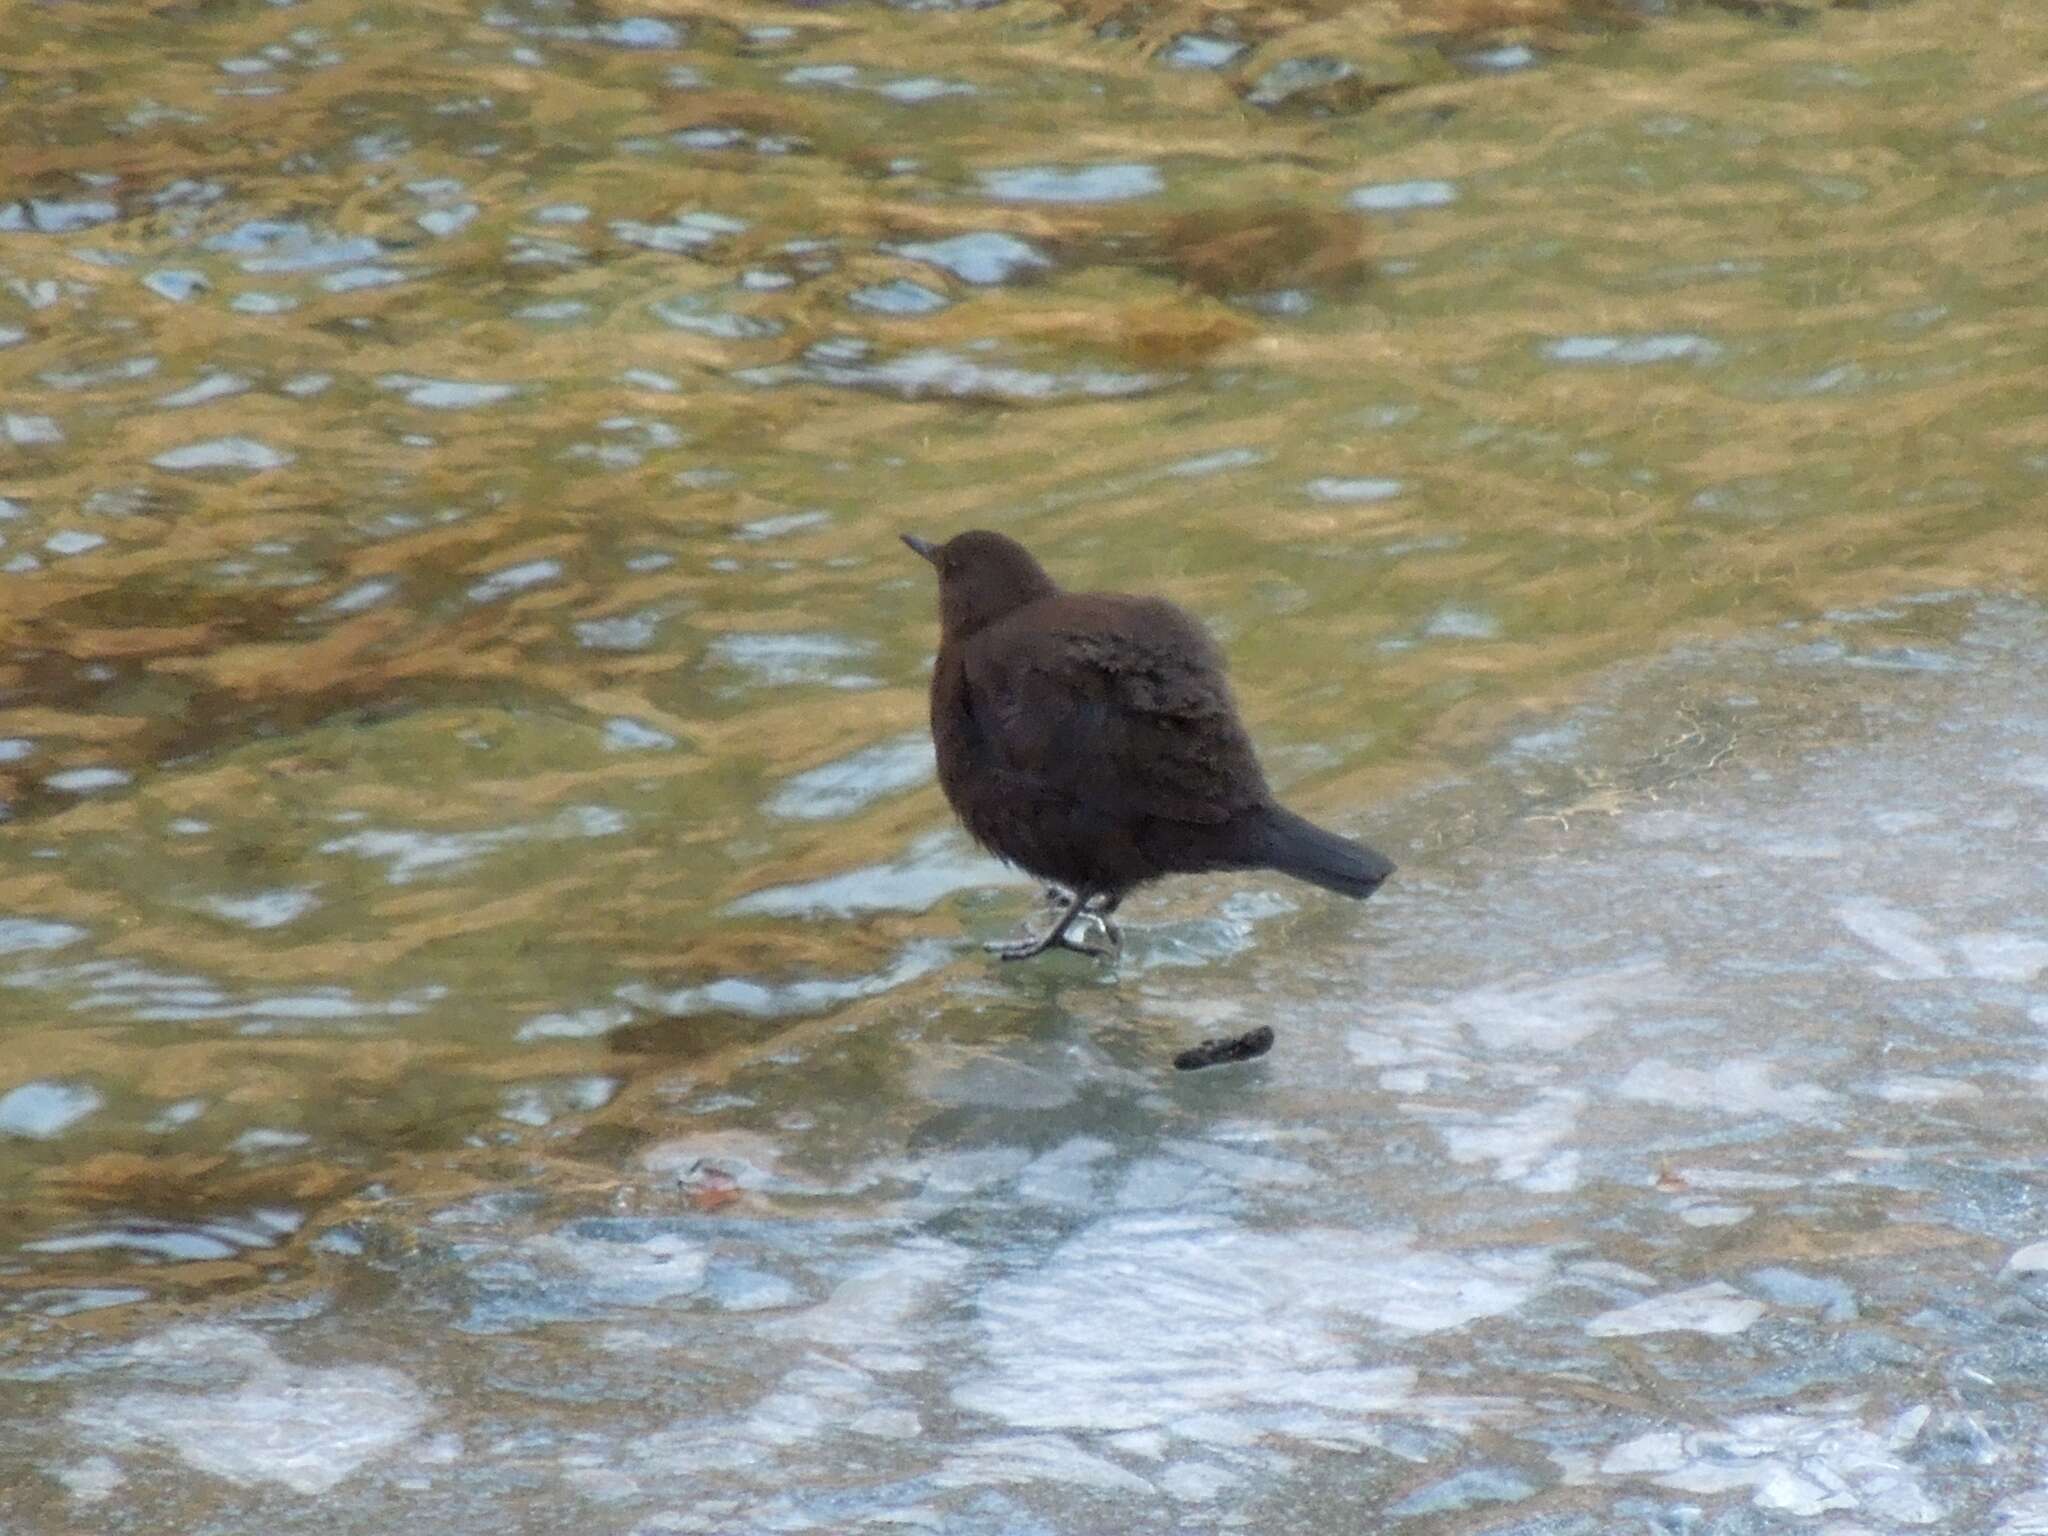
(1091, 739)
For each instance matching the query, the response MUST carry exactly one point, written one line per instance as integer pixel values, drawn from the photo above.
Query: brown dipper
(1090, 738)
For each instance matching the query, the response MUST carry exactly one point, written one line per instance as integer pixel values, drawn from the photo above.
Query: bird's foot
(1063, 936)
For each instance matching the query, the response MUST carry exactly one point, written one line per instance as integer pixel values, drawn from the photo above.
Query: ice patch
(90, 1480)
(1915, 1088)
(1067, 1175)
(1038, 1458)
(1171, 1321)
(1519, 1144)
(871, 1313)
(1899, 936)
(1801, 1464)
(1532, 1015)
(956, 1076)
(1740, 1087)
(306, 1428)
(1717, 1308)
(622, 1271)
(2003, 956)
(1713, 1214)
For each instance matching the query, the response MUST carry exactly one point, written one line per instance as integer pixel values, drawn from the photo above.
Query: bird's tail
(1298, 847)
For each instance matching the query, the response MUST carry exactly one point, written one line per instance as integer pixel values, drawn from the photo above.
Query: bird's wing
(1120, 705)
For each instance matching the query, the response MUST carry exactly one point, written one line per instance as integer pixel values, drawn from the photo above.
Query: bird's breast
(957, 738)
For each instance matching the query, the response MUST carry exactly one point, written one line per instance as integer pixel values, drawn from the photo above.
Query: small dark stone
(1214, 1053)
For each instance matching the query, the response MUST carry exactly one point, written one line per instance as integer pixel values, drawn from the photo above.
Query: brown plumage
(1091, 739)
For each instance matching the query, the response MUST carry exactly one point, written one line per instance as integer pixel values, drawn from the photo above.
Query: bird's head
(983, 577)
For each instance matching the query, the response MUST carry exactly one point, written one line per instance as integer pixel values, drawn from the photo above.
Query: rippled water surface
(490, 1004)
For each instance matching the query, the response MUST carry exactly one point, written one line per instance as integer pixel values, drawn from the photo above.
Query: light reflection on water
(461, 680)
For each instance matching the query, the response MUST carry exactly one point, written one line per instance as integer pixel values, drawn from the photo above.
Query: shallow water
(491, 1001)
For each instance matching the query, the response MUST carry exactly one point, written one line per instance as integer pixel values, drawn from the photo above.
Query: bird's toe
(1083, 947)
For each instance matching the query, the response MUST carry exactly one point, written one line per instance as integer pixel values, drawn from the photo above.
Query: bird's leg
(1095, 910)
(1055, 937)
(1101, 913)
(1059, 896)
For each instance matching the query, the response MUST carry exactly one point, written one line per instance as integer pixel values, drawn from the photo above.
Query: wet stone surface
(1662, 1153)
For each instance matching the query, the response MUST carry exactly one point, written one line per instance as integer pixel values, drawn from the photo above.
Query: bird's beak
(924, 547)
